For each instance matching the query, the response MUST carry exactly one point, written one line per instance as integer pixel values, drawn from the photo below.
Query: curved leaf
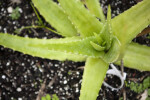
(93, 77)
(77, 46)
(95, 8)
(106, 32)
(97, 47)
(22, 44)
(113, 54)
(137, 57)
(56, 17)
(128, 24)
(59, 49)
(83, 20)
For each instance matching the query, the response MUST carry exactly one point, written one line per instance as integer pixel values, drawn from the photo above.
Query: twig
(28, 27)
(141, 79)
(133, 79)
(122, 67)
(122, 70)
(52, 81)
(41, 91)
(34, 31)
(145, 31)
(81, 67)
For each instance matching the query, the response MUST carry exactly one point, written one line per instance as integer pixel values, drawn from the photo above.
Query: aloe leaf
(128, 24)
(96, 9)
(112, 44)
(24, 45)
(71, 48)
(56, 17)
(78, 47)
(93, 77)
(137, 57)
(106, 32)
(114, 52)
(97, 47)
(99, 39)
(82, 19)
(71, 45)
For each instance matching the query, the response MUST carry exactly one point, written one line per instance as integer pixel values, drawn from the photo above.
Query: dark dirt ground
(21, 76)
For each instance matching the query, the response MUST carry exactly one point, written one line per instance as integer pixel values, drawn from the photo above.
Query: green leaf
(55, 16)
(48, 97)
(148, 98)
(15, 14)
(96, 9)
(146, 82)
(139, 87)
(97, 47)
(99, 39)
(74, 46)
(128, 24)
(55, 97)
(93, 77)
(24, 45)
(149, 91)
(43, 98)
(113, 54)
(106, 32)
(39, 22)
(82, 19)
(137, 57)
(120, 98)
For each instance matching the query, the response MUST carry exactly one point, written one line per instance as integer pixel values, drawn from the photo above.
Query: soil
(22, 76)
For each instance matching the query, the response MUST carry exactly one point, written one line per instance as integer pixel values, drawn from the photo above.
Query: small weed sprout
(15, 14)
(138, 88)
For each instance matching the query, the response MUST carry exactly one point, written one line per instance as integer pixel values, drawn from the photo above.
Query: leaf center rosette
(107, 42)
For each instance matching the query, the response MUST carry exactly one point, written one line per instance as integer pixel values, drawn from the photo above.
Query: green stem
(28, 27)
(40, 20)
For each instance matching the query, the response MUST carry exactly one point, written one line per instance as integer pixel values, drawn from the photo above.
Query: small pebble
(3, 76)
(65, 82)
(19, 89)
(19, 98)
(10, 9)
(20, 10)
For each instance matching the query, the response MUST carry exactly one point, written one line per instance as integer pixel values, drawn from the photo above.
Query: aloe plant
(99, 43)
